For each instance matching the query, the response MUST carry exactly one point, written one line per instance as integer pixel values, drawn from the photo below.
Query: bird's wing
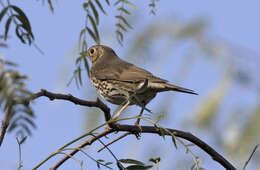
(124, 71)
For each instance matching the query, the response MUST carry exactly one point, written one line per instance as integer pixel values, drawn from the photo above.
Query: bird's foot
(112, 126)
(138, 134)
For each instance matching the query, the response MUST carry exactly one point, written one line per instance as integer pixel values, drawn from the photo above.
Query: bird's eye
(92, 51)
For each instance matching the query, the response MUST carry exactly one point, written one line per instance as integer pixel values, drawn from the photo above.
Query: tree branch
(52, 96)
(5, 123)
(154, 130)
(124, 128)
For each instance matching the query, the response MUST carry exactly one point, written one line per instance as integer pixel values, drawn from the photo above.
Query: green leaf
(100, 160)
(129, 3)
(117, 2)
(7, 25)
(79, 76)
(94, 12)
(3, 13)
(23, 19)
(85, 5)
(97, 39)
(121, 27)
(98, 165)
(78, 60)
(18, 34)
(100, 7)
(91, 33)
(124, 21)
(162, 132)
(86, 65)
(23, 140)
(124, 10)
(135, 167)
(174, 141)
(108, 163)
(131, 161)
(51, 6)
(28, 120)
(25, 127)
(120, 35)
(12, 127)
(84, 46)
(155, 160)
(107, 1)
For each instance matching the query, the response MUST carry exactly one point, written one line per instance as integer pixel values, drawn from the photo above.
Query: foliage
(16, 16)
(12, 92)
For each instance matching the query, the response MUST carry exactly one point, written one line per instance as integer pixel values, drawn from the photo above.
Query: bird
(122, 83)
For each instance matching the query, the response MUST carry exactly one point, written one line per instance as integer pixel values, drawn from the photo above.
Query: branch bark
(57, 96)
(153, 130)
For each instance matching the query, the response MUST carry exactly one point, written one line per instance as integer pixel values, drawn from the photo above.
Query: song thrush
(118, 81)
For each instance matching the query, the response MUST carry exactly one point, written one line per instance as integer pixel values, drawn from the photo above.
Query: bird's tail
(167, 87)
(179, 89)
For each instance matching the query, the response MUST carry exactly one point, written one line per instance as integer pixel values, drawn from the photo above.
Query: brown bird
(122, 83)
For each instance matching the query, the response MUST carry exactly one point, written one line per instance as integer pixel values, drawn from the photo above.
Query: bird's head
(98, 52)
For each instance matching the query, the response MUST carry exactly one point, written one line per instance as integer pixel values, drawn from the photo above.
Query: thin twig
(109, 150)
(4, 126)
(20, 165)
(52, 96)
(154, 130)
(113, 141)
(85, 143)
(251, 155)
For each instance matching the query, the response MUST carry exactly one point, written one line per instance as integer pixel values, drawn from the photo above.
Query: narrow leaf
(18, 34)
(131, 161)
(162, 132)
(97, 39)
(79, 76)
(124, 10)
(107, 1)
(121, 27)
(100, 7)
(124, 21)
(86, 65)
(119, 35)
(50, 6)
(117, 2)
(174, 142)
(155, 160)
(129, 3)
(108, 163)
(94, 12)
(135, 167)
(7, 25)
(91, 33)
(23, 18)
(23, 140)
(3, 13)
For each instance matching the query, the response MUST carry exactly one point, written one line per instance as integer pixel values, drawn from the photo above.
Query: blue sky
(57, 35)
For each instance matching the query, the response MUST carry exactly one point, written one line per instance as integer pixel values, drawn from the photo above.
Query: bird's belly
(118, 93)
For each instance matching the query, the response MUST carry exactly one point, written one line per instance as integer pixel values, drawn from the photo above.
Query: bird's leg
(121, 110)
(138, 119)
